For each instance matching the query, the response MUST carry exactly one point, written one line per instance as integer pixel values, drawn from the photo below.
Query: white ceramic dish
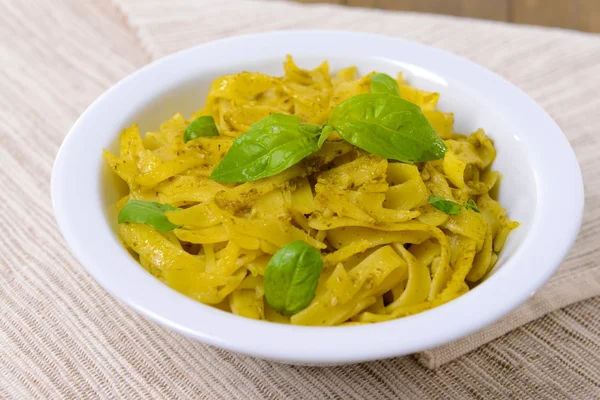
(542, 189)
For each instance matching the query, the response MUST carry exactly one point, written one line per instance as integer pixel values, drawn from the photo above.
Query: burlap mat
(62, 336)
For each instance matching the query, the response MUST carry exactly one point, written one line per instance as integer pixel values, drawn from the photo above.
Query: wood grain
(323, 1)
(588, 15)
(583, 15)
(497, 9)
(558, 13)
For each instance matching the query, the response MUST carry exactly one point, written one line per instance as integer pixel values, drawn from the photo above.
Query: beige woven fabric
(62, 336)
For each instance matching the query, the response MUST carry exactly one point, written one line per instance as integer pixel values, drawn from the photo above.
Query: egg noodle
(387, 251)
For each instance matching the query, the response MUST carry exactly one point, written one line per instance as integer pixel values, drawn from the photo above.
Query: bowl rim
(542, 251)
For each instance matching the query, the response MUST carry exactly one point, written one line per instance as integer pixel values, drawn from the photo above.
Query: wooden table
(583, 15)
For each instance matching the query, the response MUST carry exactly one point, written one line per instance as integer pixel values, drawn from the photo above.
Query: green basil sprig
(383, 83)
(447, 206)
(388, 126)
(451, 207)
(201, 126)
(471, 205)
(291, 277)
(272, 145)
(149, 213)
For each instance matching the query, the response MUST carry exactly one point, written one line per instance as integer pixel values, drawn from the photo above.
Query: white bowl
(542, 189)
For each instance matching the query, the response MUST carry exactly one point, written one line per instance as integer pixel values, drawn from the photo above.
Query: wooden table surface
(583, 15)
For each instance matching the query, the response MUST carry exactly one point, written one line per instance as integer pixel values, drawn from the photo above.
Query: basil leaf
(387, 126)
(291, 277)
(447, 206)
(383, 83)
(149, 213)
(327, 129)
(201, 126)
(471, 205)
(272, 145)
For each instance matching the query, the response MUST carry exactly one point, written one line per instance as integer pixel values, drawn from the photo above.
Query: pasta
(395, 238)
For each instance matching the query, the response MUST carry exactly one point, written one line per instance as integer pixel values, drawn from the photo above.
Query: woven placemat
(62, 336)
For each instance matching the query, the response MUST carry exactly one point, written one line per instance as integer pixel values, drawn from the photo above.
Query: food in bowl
(313, 199)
